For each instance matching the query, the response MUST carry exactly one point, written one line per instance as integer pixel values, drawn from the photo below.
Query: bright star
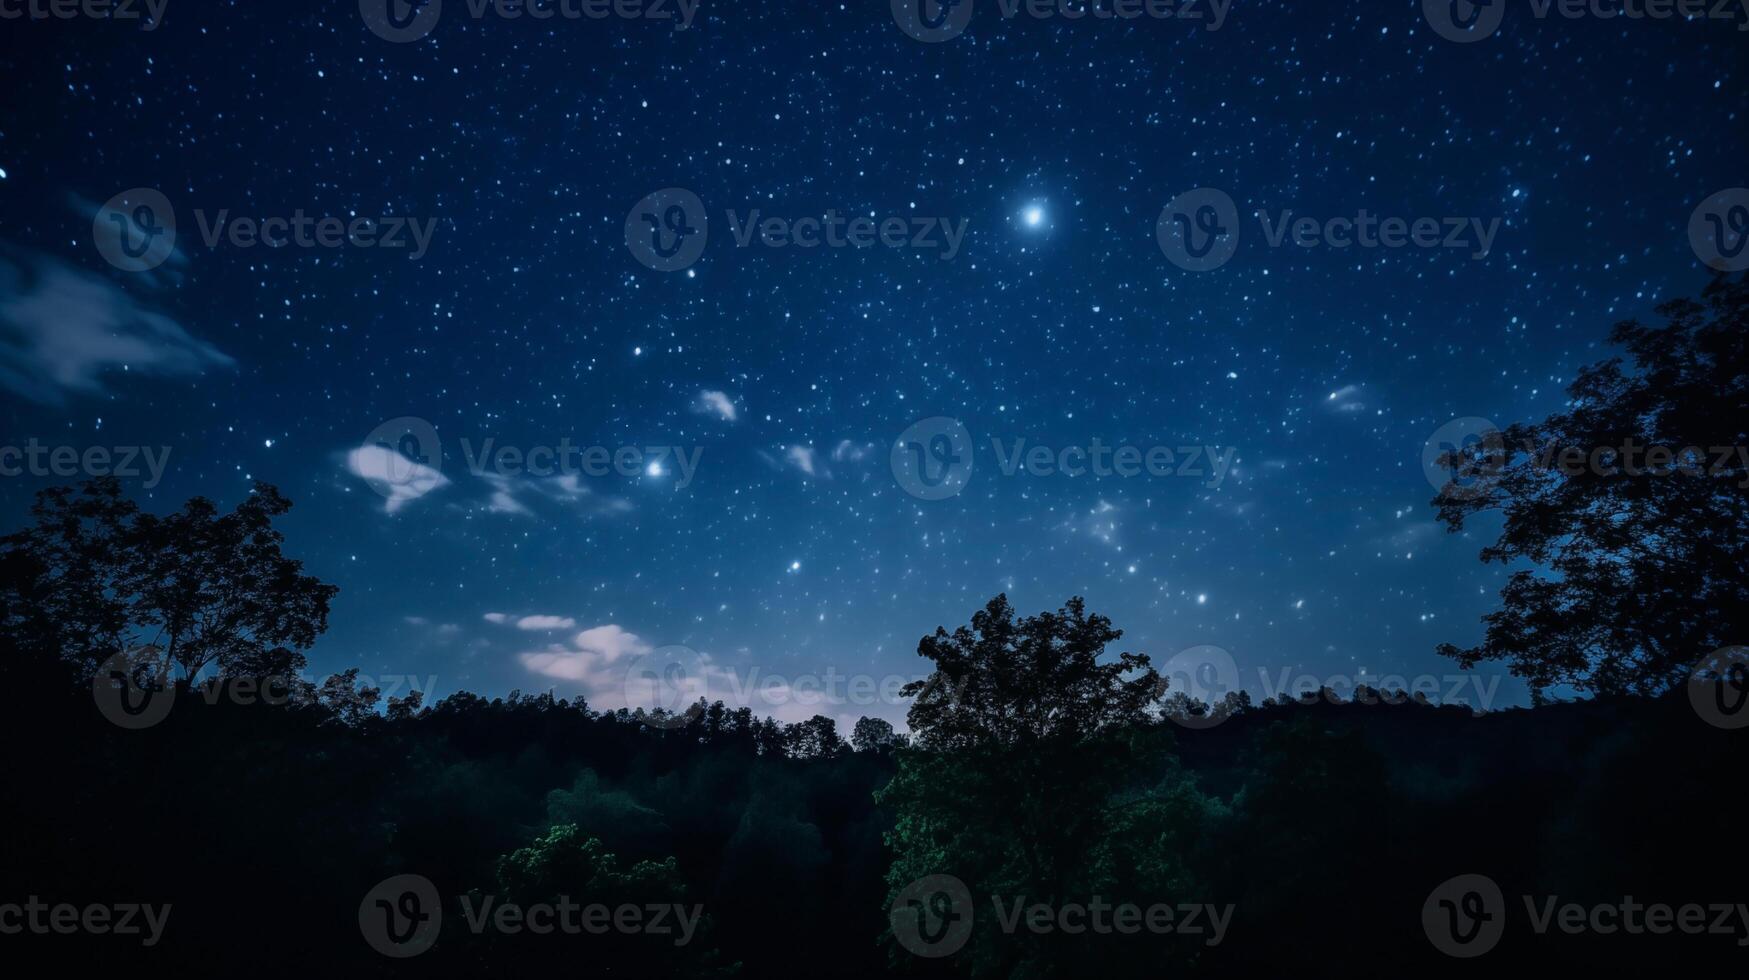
(1034, 216)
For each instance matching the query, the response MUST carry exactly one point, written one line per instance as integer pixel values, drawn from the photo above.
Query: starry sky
(794, 550)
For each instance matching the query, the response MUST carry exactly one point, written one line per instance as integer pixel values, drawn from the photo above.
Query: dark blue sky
(794, 551)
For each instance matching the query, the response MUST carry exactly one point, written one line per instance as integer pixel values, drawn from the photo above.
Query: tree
(1633, 505)
(1010, 682)
(1037, 770)
(874, 735)
(816, 738)
(207, 589)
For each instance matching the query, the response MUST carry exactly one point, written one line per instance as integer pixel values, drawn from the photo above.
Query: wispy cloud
(546, 623)
(62, 330)
(511, 494)
(397, 478)
(590, 659)
(803, 458)
(717, 402)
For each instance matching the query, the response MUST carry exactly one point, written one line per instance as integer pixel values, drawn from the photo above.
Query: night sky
(794, 549)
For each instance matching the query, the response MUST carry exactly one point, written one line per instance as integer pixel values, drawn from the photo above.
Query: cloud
(497, 618)
(852, 452)
(590, 659)
(546, 623)
(1346, 399)
(803, 458)
(62, 330)
(510, 493)
(718, 402)
(393, 475)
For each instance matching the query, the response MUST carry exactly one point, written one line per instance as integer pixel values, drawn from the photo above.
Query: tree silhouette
(874, 735)
(1633, 505)
(1009, 682)
(1037, 771)
(201, 588)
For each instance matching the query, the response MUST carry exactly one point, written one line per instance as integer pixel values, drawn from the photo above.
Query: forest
(1053, 808)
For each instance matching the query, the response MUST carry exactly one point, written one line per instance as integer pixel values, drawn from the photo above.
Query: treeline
(1324, 825)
